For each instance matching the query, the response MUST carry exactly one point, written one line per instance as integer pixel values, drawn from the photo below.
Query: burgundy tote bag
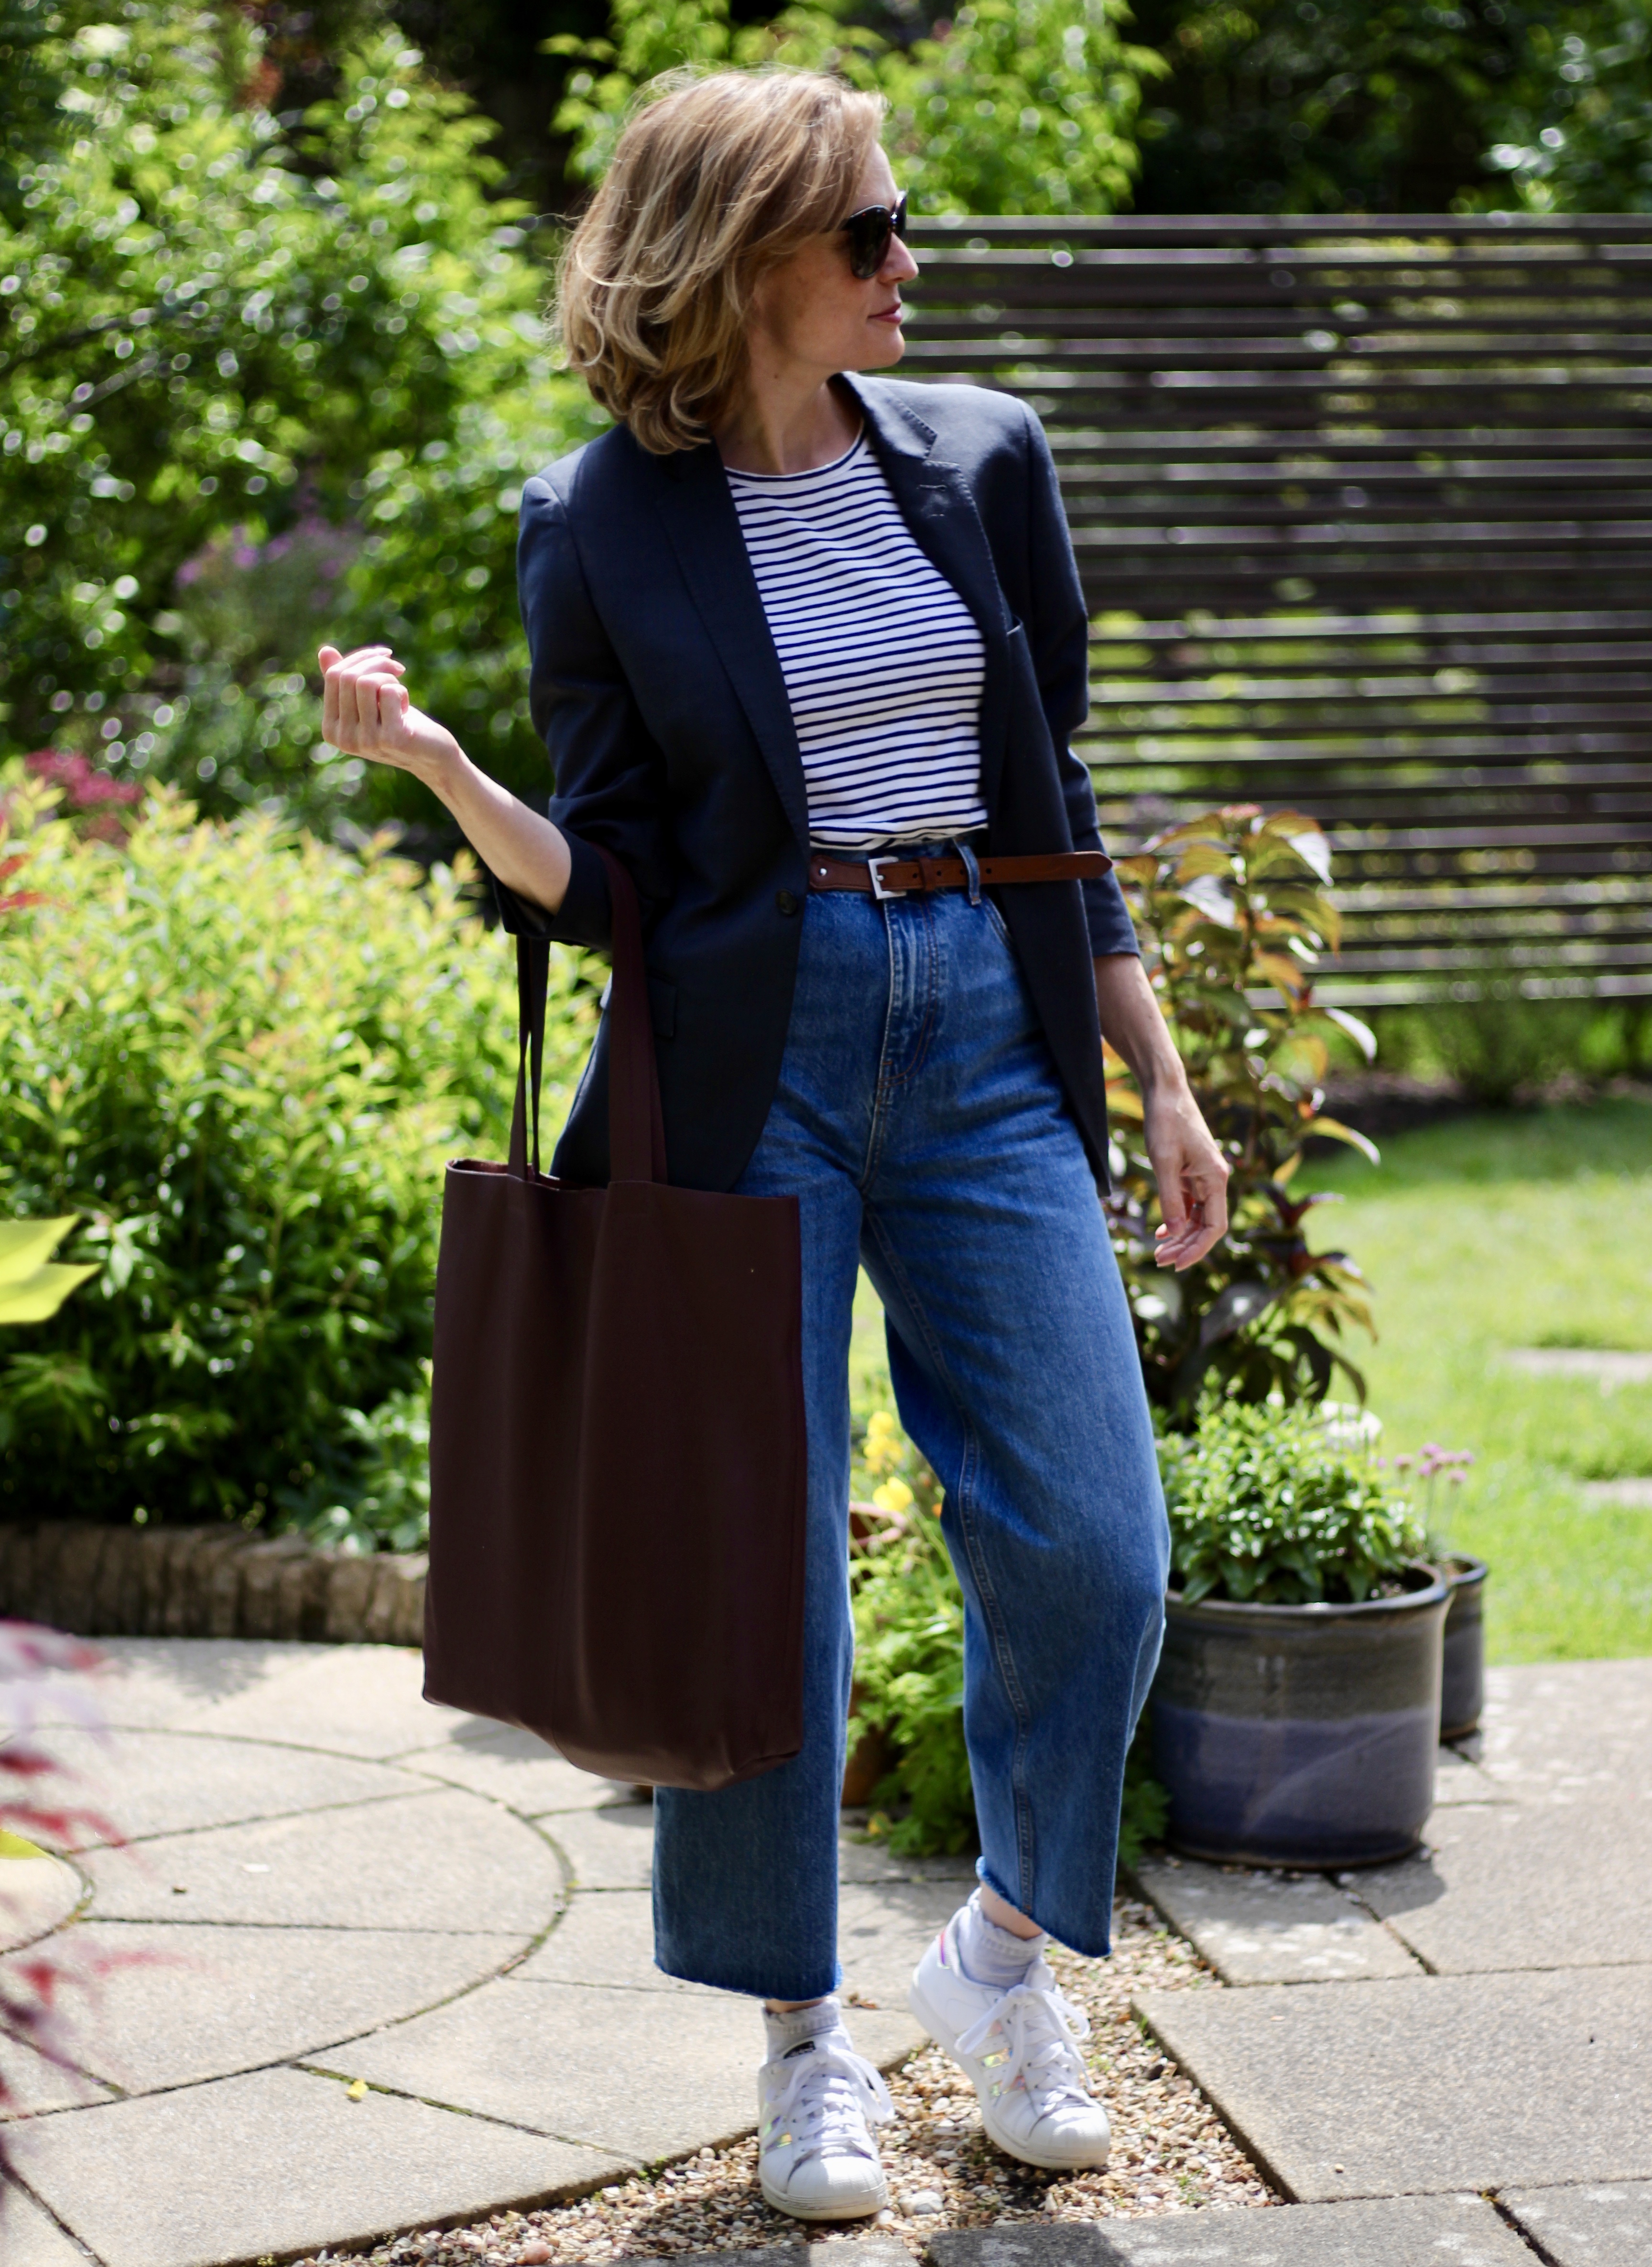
(617, 1445)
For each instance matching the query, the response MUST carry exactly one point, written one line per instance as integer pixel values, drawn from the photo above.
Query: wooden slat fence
(1364, 513)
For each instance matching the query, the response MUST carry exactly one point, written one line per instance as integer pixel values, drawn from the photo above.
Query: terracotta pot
(1300, 1736)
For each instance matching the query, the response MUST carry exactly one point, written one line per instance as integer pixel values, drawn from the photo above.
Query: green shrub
(1283, 1507)
(1234, 912)
(909, 1663)
(1004, 107)
(260, 379)
(1503, 1044)
(242, 1056)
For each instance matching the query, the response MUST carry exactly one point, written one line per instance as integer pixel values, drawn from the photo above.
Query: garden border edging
(207, 1581)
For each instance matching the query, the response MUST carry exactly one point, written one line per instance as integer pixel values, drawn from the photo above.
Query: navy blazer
(657, 688)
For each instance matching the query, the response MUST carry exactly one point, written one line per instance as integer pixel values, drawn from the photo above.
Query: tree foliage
(1405, 105)
(1011, 106)
(224, 342)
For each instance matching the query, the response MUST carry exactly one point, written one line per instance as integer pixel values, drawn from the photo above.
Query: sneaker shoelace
(1040, 2028)
(827, 2100)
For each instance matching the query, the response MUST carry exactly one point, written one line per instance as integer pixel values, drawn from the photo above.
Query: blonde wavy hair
(716, 179)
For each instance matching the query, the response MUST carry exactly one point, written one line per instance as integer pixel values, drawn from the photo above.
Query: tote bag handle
(636, 1125)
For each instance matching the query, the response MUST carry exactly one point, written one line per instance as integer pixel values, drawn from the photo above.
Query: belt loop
(972, 869)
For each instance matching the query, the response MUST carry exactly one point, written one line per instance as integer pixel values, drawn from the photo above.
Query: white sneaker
(816, 2155)
(1019, 2049)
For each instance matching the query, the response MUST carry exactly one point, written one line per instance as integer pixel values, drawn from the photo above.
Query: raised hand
(366, 711)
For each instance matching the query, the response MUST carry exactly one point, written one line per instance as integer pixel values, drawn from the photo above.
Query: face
(810, 309)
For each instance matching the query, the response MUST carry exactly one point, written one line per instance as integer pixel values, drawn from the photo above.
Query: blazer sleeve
(1059, 632)
(608, 772)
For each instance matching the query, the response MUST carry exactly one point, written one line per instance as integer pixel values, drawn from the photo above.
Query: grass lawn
(1522, 1229)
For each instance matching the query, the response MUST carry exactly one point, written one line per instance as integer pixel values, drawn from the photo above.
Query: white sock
(800, 2026)
(991, 1954)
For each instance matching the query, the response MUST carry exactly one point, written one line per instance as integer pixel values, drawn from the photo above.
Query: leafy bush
(1503, 1044)
(1007, 106)
(260, 376)
(242, 1056)
(1234, 912)
(1276, 1506)
(909, 1663)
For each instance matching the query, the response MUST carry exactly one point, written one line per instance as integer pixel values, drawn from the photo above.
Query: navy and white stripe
(883, 661)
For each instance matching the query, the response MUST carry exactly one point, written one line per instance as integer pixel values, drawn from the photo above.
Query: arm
(547, 874)
(367, 711)
(1190, 1171)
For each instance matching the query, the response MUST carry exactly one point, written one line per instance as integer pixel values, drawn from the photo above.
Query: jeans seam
(1004, 1653)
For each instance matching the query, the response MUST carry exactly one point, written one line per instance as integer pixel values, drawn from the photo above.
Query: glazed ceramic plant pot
(1300, 1736)
(1462, 1678)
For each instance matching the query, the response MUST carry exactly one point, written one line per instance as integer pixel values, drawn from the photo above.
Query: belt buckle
(879, 892)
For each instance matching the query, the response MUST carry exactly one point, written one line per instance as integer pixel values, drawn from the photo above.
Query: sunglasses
(868, 231)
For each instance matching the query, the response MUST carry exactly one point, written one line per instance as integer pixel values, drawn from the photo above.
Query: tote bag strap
(533, 965)
(636, 1127)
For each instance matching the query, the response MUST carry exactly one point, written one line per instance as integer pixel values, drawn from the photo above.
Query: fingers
(356, 710)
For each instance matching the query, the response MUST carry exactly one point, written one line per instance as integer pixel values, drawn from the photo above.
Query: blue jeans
(919, 1122)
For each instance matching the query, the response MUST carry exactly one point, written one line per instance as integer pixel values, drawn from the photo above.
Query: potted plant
(1462, 1670)
(1296, 1712)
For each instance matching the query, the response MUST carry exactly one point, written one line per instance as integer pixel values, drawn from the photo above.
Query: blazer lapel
(936, 505)
(704, 531)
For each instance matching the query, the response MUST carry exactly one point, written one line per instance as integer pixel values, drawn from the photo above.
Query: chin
(879, 353)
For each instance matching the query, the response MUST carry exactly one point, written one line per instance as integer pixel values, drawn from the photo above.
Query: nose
(899, 266)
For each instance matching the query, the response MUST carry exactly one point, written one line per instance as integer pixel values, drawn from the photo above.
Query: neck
(787, 421)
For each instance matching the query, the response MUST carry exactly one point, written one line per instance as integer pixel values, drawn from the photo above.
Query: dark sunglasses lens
(869, 233)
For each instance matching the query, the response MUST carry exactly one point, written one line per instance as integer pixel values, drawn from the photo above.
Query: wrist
(444, 770)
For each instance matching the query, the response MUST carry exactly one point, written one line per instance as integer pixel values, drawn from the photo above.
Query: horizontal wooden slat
(1363, 511)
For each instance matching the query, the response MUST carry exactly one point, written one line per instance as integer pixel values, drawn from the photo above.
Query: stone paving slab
(347, 1699)
(1524, 1886)
(150, 1682)
(279, 2163)
(641, 2077)
(1607, 2224)
(188, 2003)
(606, 1940)
(168, 1782)
(1451, 2230)
(608, 1848)
(1570, 1731)
(515, 1768)
(1271, 1928)
(1459, 1778)
(438, 1859)
(39, 2085)
(1438, 2084)
(36, 1894)
(882, 1930)
(28, 2238)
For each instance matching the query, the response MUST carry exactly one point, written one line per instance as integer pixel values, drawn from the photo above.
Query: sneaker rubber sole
(843, 2210)
(1023, 2153)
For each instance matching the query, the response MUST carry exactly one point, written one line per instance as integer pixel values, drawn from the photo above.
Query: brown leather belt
(895, 877)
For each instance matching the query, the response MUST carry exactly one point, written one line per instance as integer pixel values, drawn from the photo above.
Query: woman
(791, 626)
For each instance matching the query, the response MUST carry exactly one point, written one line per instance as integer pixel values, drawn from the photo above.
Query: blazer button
(786, 901)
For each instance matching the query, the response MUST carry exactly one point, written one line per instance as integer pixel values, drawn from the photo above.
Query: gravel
(1170, 2152)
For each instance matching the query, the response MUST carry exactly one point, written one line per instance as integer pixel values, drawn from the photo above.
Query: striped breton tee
(883, 661)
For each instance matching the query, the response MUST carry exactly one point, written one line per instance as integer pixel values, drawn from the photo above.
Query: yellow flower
(884, 1443)
(893, 1495)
